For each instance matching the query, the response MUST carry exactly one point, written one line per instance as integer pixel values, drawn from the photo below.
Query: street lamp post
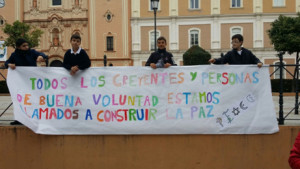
(154, 5)
(105, 60)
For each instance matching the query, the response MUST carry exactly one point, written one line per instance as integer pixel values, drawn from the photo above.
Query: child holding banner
(160, 58)
(23, 56)
(76, 58)
(238, 55)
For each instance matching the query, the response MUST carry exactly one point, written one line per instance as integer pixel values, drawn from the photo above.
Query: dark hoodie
(24, 58)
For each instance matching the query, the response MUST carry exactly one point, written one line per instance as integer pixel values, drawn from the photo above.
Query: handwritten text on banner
(139, 100)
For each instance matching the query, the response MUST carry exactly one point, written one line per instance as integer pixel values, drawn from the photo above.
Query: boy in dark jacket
(23, 56)
(161, 58)
(238, 55)
(76, 58)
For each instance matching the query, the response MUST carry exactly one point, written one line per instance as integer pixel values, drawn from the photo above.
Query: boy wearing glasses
(238, 55)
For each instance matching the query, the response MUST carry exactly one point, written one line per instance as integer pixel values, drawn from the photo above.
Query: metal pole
(281, 119)
(6, 109)
(296, 88)
(104, 60)
(154, 30)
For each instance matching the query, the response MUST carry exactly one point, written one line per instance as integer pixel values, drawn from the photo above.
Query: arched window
(55, 37)
(77, 2)
(194, 37)
(34, 3)
(236, 30)
(152, 39)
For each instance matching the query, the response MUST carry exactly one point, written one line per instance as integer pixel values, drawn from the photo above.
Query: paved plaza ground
(289, 104)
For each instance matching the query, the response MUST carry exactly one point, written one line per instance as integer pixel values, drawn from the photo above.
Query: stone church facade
(58, 21)
(104, 27)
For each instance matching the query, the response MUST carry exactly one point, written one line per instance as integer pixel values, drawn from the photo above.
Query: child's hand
(12, 66)
(153, 65)
(212, 60)
(40, 59)
(167, 65)
(74, 69)
(259, 65)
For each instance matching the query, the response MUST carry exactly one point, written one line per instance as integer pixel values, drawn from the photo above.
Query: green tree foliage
(21, 30)
(285, 34)
(196, 56)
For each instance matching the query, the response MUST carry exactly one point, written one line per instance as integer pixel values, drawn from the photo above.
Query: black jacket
(82, 60)
(160, 53)
(24, 58)
(233, 58)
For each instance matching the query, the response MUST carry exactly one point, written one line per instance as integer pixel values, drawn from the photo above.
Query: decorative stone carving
(108, 16)
(76, 10)
(65, 18)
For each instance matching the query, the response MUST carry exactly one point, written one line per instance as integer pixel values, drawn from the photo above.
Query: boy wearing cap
(23, 56)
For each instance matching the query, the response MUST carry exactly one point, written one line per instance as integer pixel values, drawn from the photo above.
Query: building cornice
(49, 20)
(214, 16)
(56, 10)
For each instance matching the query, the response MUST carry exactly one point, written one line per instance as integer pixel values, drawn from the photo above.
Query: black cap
(20, 41)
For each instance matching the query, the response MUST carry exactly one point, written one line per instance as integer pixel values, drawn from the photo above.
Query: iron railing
(283, 67)
(2, 68)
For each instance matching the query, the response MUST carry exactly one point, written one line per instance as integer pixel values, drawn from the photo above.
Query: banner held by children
(207, 99)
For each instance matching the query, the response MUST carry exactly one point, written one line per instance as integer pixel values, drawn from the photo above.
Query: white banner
(207, 99)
